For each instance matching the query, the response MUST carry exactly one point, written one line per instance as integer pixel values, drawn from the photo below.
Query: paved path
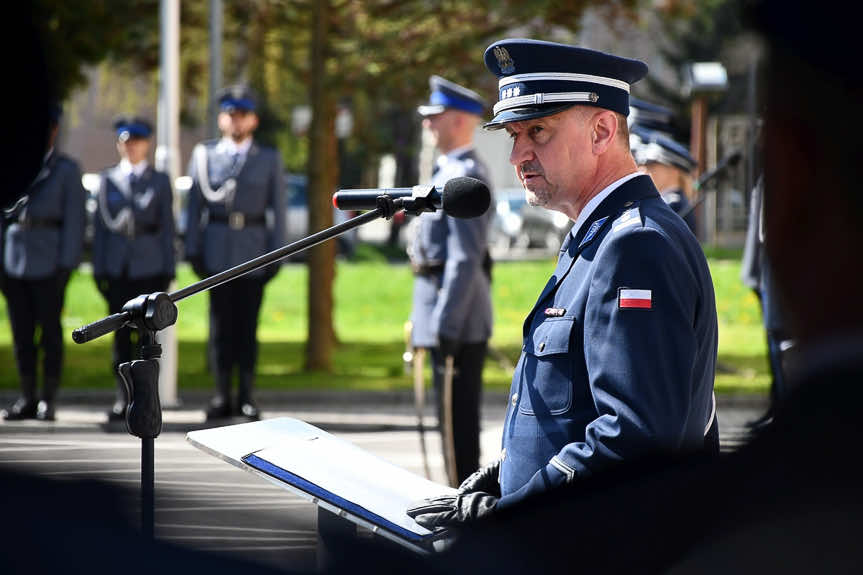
(207, 504)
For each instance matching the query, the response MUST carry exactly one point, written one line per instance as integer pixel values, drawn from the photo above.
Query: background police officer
(670, 166)
(133, 235)
(42, 244)
(451, 301)
(620, 348)
(236, 212)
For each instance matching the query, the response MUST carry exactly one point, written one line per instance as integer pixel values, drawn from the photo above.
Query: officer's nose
(522, 150)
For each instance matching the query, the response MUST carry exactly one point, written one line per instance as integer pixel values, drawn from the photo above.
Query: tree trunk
(323, 177)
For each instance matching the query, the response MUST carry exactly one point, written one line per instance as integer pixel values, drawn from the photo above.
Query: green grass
(372, 303)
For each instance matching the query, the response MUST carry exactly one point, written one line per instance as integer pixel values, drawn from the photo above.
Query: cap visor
(430, 110)
(526, 113)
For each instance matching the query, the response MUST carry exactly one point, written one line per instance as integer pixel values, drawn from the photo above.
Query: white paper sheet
(332, 464)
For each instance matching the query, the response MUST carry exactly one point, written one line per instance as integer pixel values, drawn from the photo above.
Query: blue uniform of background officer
(133, 236)
(619, 351)
(669, 165)
(42, 244)
(451, 301)
(236, 212)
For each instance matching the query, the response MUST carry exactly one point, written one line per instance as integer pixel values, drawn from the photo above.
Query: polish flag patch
(634, 298)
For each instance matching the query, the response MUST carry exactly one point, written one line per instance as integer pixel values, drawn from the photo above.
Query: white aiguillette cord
(226, 191)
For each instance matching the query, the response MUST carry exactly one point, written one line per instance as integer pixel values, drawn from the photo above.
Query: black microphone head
(465, 198)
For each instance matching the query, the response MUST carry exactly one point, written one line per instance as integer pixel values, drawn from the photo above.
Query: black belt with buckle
(427, 269)
(147, 229)
(239, 220)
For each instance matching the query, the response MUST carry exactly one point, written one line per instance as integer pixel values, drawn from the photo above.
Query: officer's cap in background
(654, 147)
(129, 127)
(237, 97)
(537, 79)
(449, 95)
(650, 116)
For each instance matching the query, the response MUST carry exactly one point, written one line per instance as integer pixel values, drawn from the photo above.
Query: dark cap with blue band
(449, 95)
(537, 78)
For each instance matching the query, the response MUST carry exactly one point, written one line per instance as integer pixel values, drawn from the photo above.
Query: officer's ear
(604, 131)
(253, 121)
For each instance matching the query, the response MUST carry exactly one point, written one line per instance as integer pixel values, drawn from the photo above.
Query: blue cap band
(237, 104)
(446, 100)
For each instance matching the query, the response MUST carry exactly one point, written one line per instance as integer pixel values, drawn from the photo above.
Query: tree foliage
(372, 57)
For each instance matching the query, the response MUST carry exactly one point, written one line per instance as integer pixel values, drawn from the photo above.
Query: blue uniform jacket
(48, 234)
(144, 248)
(603, 379)
(259, 201)
(678, 202)
(455, 303)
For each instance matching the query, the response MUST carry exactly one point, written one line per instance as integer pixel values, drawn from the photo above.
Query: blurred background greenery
(372, 304)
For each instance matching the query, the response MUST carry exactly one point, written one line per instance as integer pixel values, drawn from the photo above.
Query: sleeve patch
(628, 298)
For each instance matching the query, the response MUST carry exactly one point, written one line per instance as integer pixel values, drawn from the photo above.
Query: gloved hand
(483, 479)
(453, 510)
(102, 285)
(448, 346)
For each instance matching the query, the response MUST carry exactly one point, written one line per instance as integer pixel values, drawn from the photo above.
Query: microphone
(462, 197)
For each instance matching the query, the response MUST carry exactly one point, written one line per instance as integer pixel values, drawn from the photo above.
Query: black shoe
(45, 411)
(248, 410)
(21, 409)
(219, 408)
(117, 413)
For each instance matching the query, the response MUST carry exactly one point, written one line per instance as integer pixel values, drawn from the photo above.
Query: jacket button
(542, 346)
(514, 398)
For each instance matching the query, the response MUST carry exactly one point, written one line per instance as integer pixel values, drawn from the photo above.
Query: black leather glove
(448, 346)
(483, 479)
(453, 510)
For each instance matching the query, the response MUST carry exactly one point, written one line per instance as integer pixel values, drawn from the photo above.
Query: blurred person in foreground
(133, 237)
(619, 351)
(235, 213)
(42, 243)
(670, 166)
(451, 313)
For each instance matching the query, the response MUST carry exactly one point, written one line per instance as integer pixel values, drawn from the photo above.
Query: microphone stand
(151, 313)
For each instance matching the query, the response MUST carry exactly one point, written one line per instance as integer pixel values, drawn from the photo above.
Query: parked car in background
(517, 225)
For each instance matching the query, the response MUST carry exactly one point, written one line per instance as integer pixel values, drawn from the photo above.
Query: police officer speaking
(133, 236)
(42, 244)
(451, 302)
(619, 350)
(236, 212)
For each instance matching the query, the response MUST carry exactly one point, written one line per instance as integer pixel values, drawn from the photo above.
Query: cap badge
(504, 60)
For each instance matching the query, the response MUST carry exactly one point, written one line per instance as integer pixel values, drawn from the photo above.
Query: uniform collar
(229, 146)
(453, 154)
(127, 168)
(594, 202)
